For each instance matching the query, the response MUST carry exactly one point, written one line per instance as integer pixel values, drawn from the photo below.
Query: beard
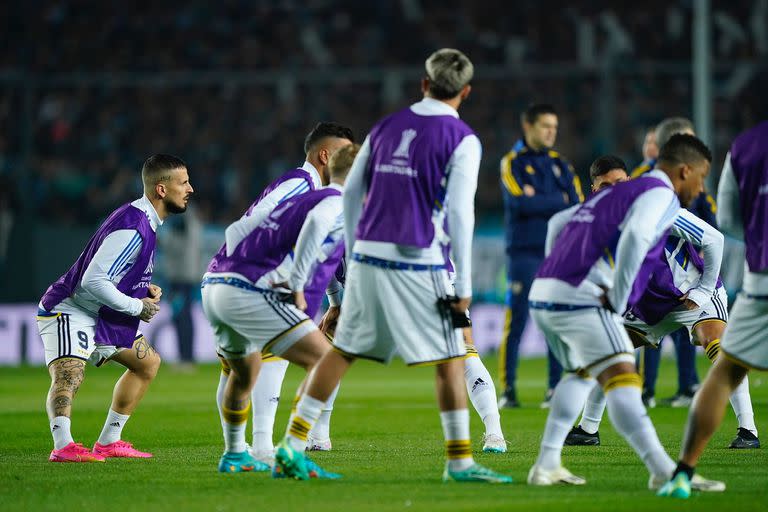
(175, 208)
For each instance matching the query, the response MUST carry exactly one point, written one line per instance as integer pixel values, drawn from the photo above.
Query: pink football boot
(75, 452)
(119, 449)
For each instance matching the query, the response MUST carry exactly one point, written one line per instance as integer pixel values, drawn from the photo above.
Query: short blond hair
(448, 71)
(341, 161)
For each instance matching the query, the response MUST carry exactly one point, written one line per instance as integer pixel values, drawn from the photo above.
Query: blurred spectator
(182, 268)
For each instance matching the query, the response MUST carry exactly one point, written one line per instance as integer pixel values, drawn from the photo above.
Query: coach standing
(536, 183)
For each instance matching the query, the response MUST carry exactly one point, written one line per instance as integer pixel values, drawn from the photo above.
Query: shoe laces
(494, 438)
(80, 448)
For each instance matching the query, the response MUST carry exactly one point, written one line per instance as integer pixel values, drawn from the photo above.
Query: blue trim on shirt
(300, 189)
(118, 264)
(554, 306)
(234, 281)
(687, 226)
(395, 265)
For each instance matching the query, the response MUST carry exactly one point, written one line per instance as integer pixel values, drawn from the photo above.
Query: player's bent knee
(148, 367)
(614, 368)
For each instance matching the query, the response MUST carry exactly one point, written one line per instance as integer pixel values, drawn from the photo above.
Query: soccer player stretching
(611, 242)
(297, 247)
(92, 312)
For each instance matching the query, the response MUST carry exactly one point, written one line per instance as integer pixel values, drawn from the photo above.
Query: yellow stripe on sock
(471, 350)
(236, 417)
(295, 403)
(625, 379)
(713, 350)
(458, 449)
(299, 428)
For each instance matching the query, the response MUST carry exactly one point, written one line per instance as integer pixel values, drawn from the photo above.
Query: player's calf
(66, 376)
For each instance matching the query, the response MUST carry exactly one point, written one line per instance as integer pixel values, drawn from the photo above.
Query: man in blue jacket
(536, 183)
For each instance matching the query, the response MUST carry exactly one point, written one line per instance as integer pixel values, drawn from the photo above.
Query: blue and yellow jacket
(526, 217)
(704, 207)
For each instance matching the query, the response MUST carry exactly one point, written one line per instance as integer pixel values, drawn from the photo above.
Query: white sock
(482, 394)
(234, 423)
(629, 417)
(593, 410)
(322, 429)
(307, 411)
(564, 408)
(265, 397)
(742, 406)
(223, 378)
(456, 432)
(60, 429)
(113, 427)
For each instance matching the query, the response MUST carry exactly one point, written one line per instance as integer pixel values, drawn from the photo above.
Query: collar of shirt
(145, 205)
(336, 186)
(661, 175)
(313, 173)
(524, 145)
(433, 107)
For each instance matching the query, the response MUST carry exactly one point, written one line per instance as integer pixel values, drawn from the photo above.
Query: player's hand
(461, 305)
(299, 301)
(149, 308)
(329, 320)
(155, 291)
(687, 303)
(604, 300)
(529, 190)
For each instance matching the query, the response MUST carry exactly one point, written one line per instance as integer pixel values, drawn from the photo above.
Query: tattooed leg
(142, 362)
(66, 376)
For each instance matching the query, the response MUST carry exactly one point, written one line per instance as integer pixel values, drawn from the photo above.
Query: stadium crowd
(59, 143)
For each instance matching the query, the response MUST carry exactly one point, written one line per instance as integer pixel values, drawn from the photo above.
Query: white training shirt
(322, 230)
(463, 167)
(730, 222)
(113, 259)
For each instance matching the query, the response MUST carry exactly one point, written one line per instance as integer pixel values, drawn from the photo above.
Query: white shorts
(585, 340)
(246, 321)
(714, 310)
(71, 335)
(745, 337)
(385, 311)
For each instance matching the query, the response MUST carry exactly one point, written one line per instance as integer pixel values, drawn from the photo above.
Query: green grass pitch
(387, 443)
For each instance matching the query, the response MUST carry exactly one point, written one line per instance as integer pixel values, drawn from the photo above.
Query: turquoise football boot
(678, 487)
(475, 473)
(240, 462)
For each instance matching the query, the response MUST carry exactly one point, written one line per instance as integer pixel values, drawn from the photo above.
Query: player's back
(593, 232)
(406, 176)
